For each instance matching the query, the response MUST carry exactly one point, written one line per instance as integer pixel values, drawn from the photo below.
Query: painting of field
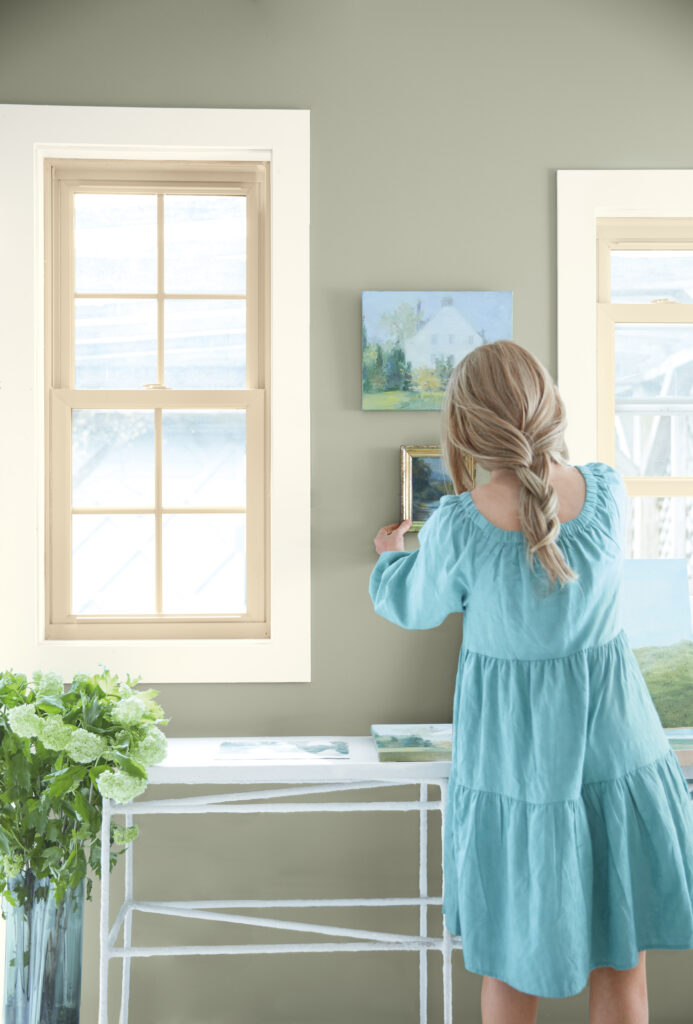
(411, 341)
(419, 742)
(656, 607)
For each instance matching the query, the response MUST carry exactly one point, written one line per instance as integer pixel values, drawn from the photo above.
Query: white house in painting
(448, 333)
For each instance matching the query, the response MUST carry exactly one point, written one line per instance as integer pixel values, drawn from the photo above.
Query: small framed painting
(411, 342)
(424, 481)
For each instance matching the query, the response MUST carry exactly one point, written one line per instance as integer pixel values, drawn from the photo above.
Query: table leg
(103, 921)
(127, 930)
(423, 909)
(447, 938)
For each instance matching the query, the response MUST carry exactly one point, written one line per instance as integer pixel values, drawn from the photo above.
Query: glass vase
(43, 954)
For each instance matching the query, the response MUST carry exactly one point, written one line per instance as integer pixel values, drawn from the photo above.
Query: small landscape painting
(417, 742)
(424, 481)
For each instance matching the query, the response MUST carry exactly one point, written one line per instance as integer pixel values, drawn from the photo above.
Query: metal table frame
(191, 761)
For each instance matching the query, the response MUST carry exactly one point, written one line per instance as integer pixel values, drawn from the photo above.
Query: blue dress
(568, 840)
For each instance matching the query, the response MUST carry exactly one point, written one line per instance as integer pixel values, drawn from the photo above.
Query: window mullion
(158, 555)
(158, 562)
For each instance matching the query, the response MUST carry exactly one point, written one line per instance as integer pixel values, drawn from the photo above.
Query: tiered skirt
(542, 890)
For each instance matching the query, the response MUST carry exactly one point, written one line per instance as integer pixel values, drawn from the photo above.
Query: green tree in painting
(401, 323)
(443, 370)
(426, 379)
(378, 371)
(398, 375)
(371, 362)
(427, 486)
(367, 357)
(384, 365)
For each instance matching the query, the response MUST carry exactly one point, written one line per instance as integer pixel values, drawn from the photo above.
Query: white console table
(190, 761)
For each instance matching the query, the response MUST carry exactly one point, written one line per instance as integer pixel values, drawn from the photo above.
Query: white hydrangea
(48, 684)
(85, 746)
(129, 710)
(54, 733)
(125, 835)
(11, 864)
(23, 720)
(151, 748)
(119, 786)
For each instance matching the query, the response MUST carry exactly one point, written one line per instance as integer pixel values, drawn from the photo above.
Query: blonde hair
(502, 408)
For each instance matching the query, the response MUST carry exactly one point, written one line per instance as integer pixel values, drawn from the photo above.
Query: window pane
(653, 359)
(645, 275)
(204, 244)
(204, 563)
(115, 343)
(660, 527)
(203, 455)
(654, 444)
(112, 457)
(204, 343)
(112, 564)
(115, 242)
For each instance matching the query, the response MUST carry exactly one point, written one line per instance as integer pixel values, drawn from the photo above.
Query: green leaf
(66, 780)
(18, 771)
(129, 764)
(52, 705)
(5, 844)
(109, 686)
(53, 830)
(82, 806)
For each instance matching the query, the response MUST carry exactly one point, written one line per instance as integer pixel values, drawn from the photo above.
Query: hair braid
(502, 407)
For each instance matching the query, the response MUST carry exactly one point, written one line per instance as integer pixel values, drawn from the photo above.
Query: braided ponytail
(502, 408)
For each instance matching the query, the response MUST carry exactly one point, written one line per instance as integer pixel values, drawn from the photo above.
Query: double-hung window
(156, 399)
(645, 376)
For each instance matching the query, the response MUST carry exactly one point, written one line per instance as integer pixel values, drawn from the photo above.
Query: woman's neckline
(567, 527)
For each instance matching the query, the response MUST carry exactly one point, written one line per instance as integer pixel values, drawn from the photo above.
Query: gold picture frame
(423, 481)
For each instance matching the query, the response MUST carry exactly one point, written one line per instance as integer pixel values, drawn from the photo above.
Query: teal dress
(568, 840)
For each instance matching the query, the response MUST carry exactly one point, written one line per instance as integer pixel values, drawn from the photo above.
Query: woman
(568, 847)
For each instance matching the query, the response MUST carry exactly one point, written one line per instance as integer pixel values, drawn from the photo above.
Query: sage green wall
(436, 130)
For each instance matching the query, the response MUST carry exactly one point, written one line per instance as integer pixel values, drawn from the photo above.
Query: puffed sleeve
(418, 589)
(619, 495)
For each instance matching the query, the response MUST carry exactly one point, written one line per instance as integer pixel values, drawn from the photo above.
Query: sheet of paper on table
(280, 748)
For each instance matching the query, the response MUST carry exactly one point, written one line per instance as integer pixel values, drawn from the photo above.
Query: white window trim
(582, 196)
(29, 134)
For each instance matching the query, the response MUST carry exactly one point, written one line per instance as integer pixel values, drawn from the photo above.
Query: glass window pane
(115, 343)
(112, 564)
(204, 343)
(204, 563)
(660, 527)
(204, 244)
(646, 275)
(653, 359)
(654, 444)
(203, 456)
(115, 242)
(112, 458)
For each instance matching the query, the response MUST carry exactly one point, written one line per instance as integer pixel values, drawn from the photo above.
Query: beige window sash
(647, 233)
(63, 178)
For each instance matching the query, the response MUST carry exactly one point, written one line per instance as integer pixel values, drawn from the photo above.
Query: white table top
(191, 759)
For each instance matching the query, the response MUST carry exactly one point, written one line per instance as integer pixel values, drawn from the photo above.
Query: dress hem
(575, 992)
